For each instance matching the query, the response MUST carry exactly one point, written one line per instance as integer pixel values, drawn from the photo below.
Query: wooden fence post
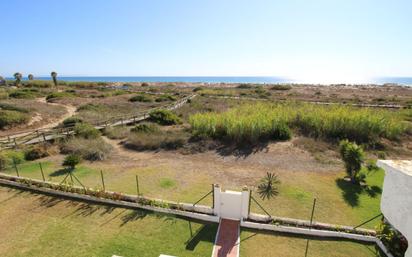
(101, 174)
(137, 185)
(41, 170)
(15, 167)
(313, 211)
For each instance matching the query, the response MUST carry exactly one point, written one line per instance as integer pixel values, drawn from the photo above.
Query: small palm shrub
(141, 98)
(86, 130)
(71, 161)
(353, 157)
(164, 117)
(268, 186)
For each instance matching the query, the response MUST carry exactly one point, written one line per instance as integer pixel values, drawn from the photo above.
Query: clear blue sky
(309, 39)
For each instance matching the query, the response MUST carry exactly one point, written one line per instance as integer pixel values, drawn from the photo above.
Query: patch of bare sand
(282, 158)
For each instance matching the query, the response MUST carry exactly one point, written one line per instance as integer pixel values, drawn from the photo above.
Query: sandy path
(70, 111)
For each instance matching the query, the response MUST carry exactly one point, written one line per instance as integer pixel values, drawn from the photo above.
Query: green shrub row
(164, 117)
(141, 98)
(56, 95)
(251, 123)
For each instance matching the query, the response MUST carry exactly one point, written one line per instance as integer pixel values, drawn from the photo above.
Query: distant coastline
(214, 79)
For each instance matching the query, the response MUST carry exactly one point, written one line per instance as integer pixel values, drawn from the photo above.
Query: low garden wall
(199, 212)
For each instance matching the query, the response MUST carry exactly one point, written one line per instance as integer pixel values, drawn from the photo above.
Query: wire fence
(99, 180)
(314, 211)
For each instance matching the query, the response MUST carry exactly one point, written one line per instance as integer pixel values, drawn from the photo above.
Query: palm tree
(353, 157)
(18, 78)
(54, 77)
(30, 77)
(268, 186)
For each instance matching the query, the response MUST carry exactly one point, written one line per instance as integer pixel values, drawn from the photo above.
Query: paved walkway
(227, 239)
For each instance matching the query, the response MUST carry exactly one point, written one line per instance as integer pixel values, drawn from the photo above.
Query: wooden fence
(44, 135)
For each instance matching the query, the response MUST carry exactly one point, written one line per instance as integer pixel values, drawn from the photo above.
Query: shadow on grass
(60, 172)
(205, 233)
(133, 215)
(351, 192)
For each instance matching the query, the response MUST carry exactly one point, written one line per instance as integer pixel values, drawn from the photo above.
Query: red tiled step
(227, 239)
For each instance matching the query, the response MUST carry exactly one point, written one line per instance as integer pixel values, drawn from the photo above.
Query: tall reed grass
(254, 122)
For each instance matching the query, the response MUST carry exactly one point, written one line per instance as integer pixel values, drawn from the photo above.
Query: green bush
(86, 130)
(56, 95)
(36, 152)
(396, 243)
(23, 94)
(196, 89)
(164, 117)
(71, 160)
(71, 121)
(38, 83)
(165, 98)
(9, 157)
(141, 98)
(12, 118)
(245, 86)
(9, 107)
(145, 128)
(88, 149)
(281, 87)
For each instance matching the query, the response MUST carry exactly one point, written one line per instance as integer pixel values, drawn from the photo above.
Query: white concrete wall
(396, 203)
(231, 204)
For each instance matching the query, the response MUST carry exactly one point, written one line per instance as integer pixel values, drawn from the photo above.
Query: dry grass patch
(89, 149)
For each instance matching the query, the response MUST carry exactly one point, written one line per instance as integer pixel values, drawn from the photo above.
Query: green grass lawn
(35, 225)
(338, 201)
(259, 244)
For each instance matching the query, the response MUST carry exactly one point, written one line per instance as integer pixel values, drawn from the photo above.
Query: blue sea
(211, 79)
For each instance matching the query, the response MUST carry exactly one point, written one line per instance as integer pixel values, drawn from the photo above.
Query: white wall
(231, 204)
(396, 203)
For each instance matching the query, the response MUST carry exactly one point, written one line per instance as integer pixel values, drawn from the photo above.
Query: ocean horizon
(217, 79)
